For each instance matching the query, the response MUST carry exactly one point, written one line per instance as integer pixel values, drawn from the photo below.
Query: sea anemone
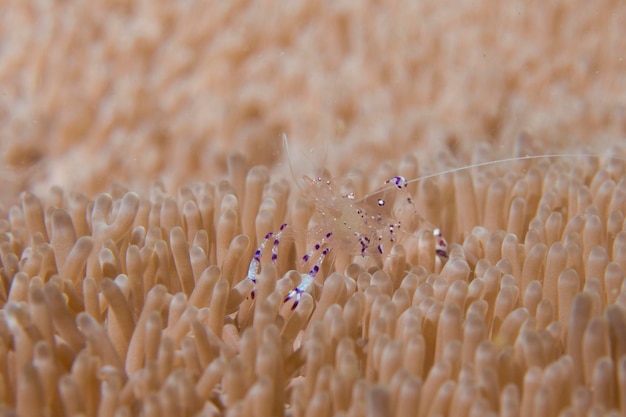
(141, 168)
(127, 304)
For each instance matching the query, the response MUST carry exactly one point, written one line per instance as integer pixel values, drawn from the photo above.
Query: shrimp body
(365, 226)
(356, 226)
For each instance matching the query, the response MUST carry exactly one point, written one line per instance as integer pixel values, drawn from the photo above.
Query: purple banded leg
(441, 246)
(364, 241)
(392, 231)
(307, 279)
(317, 247)
(255, 263)
(277, 242)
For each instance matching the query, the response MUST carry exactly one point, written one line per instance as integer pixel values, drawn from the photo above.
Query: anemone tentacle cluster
(133, 305)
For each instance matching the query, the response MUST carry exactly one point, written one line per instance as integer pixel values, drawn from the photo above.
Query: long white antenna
(286, 146)
(488, 163)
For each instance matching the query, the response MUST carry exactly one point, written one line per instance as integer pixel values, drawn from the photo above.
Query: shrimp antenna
(324, 160)
(286, 147)
(489, 163)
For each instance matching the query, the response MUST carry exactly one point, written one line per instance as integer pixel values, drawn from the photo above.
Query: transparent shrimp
(364, 226)
(361, 226)
(356, 226)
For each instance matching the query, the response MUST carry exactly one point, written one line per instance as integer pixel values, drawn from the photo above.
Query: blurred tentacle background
(141, 165)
